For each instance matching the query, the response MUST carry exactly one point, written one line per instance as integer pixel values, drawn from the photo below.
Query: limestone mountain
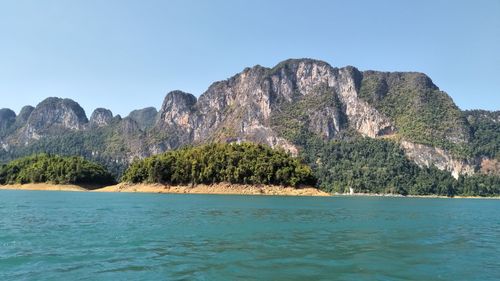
(269, 105)
(51, 116)
(101, 117)
(145, 118)
(7, 119)
(23, 116)
(292, 105)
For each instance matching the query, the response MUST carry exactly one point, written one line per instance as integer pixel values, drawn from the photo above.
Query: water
(98, 236)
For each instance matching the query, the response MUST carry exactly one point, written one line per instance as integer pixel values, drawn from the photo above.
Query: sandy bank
(221, 188)
(43, 186)
(391, 195)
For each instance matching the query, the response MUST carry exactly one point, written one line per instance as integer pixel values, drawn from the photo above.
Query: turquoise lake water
(101, 236)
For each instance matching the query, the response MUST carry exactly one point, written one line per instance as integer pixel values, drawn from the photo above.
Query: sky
(125, 55)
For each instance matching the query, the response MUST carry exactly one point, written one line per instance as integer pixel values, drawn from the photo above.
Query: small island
(53, 172)
(246, 168)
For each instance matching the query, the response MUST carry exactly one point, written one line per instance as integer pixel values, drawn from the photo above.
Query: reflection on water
(70, 236)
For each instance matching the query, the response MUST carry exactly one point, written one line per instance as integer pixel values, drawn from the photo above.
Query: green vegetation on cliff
(421, 112)
(293, 119)
(102, 145)
(45, 168)
(373, 166)
(485, 132)
(380, 166)
(244, 163)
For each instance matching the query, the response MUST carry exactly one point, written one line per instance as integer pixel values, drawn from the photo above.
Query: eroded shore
(44, 186)
(220, 188)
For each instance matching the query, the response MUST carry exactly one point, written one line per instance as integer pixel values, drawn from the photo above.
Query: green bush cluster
(244, 163)
(45, 168)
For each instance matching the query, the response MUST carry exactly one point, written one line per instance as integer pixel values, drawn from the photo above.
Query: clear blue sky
(125, 55)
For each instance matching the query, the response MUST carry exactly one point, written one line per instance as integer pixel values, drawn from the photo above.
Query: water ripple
(86, 236)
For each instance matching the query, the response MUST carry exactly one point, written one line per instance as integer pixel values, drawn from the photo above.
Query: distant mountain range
(286, 106)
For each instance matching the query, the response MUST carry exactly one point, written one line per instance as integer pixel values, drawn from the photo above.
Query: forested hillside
(485, 133)
(380, 166)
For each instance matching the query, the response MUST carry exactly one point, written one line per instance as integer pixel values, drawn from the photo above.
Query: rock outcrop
(177, 111)
(427, 156)
(101, 117)
(490, 166)
(7, 119)
(23, 116)
(53, 115)
(145, 118)
(177, 120)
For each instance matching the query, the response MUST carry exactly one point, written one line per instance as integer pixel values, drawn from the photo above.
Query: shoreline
(45, 187)
(390, 195)
(218, 189)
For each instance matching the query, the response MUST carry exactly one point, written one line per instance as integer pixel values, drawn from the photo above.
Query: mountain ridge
(284, 106)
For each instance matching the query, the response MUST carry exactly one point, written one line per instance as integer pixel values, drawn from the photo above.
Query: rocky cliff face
(244, 106)
(53, 115)
(278, 106)
(145, 118)
(177, 111)
(7, 119)
(427, 156)
(176, 121)
(23, 116)
(101, 117)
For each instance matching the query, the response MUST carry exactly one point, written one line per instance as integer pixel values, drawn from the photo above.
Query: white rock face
(101, 117)
(4, 146)
(363, 117)
(426, 156)
(53, 115)
(177, 109)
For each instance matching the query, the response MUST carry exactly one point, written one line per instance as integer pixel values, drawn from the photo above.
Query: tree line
(45, 168)
(363, 164)
(245, 163)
